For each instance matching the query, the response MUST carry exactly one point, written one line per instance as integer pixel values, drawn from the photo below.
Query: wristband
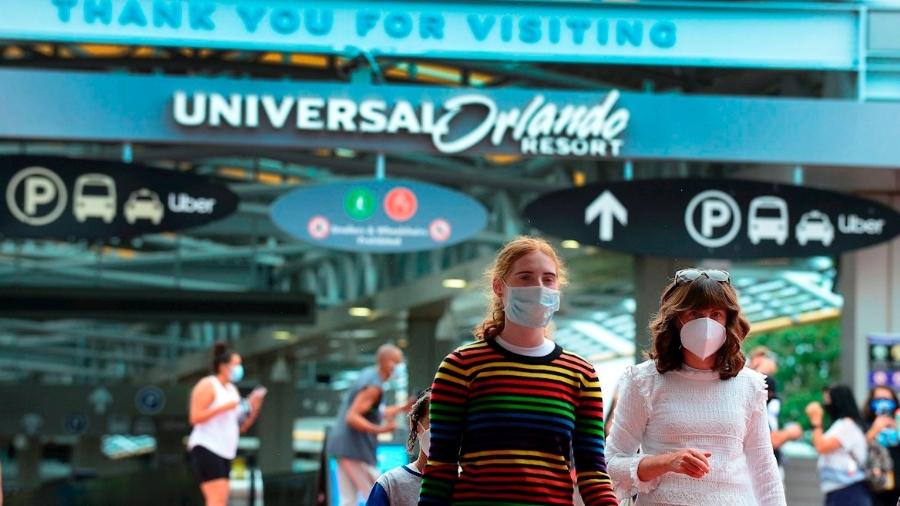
(814, 427)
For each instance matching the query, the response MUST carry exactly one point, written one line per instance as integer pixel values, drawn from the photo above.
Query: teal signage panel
(381, 216)
(685, 34)
(447, 121)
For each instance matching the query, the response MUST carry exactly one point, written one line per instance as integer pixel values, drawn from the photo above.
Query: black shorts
(208, 465)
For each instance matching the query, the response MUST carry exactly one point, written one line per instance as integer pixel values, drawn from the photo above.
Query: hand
(814, 412)
(793, 431)
(256, 402)
(387, 426)
(259, 391)
(394, 410)
(405, 406)
(689, 461)
(883, 422)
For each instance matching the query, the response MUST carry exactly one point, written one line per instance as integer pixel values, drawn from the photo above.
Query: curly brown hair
(420, 410)
(495, 320)
(701, 293)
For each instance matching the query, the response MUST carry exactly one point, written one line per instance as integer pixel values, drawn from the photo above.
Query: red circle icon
(401, 204)
(319, 227)
(439, 230)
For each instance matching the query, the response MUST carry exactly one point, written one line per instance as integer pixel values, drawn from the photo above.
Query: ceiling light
(570, 244)
(579, 178)
(454, 283)
(361, 312)
(282, 335)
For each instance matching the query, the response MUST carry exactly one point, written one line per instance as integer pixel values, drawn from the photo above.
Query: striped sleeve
(449, 393)
(594, 483)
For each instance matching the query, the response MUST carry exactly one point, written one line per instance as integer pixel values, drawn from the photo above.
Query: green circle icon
(359, 203)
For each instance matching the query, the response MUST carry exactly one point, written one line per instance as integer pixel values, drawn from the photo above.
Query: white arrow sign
(101, 399)
(606, 207)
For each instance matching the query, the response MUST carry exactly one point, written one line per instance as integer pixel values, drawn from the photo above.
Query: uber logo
(36, 196)
(717, 210)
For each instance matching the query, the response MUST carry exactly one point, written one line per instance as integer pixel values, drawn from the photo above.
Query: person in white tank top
(219, 416)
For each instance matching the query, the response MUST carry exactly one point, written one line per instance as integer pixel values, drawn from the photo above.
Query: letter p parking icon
(36, 196)
(714, 210)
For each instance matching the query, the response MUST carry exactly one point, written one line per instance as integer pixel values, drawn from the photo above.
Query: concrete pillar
(870, 284)
(651, 274)
(29, 464)
(275, 428)
(88, 459)
(170, 449)
(423, 355)
(87, 454)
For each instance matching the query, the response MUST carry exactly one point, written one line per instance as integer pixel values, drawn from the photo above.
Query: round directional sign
(714, 218)
(360, 203)
(75, 424)
(401, 204)
(150, 400)
(440, 230)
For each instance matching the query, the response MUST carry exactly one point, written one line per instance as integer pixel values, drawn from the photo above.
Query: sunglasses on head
(689, 275)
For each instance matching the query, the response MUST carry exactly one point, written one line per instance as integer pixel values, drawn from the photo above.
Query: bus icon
(94, 197)
(768, 220)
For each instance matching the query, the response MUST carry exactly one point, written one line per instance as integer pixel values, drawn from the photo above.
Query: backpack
(879, 467)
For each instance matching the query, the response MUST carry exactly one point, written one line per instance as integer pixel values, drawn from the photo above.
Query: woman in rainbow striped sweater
(508, 410)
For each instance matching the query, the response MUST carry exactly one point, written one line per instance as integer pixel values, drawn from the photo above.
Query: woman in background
(879, 417)
(219, 416)
(842, 449)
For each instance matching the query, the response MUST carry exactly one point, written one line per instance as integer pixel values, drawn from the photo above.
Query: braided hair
(420, 411)
(495, 320)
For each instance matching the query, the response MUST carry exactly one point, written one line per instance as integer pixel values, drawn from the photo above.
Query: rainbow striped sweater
(511, 423)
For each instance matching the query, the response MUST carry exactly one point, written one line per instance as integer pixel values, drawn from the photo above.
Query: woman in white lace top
(690, 426)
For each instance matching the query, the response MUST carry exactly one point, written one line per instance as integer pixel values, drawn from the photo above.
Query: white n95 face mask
(425, 440)
(531, 306)
(703, 337)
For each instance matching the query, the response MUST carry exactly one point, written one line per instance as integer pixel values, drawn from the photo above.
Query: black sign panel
(54, 197)
(710, 218)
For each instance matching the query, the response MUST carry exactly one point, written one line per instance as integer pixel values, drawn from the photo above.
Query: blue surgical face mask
(531, 306)
(237, 373)
(883, 406)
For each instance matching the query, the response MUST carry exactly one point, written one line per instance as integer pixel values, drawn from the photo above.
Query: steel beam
(389, 301)
(15, 364)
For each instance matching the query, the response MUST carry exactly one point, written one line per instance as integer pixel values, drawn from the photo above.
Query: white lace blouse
(689, 408)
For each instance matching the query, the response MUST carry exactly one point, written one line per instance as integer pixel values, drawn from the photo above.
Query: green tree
(807, 363)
